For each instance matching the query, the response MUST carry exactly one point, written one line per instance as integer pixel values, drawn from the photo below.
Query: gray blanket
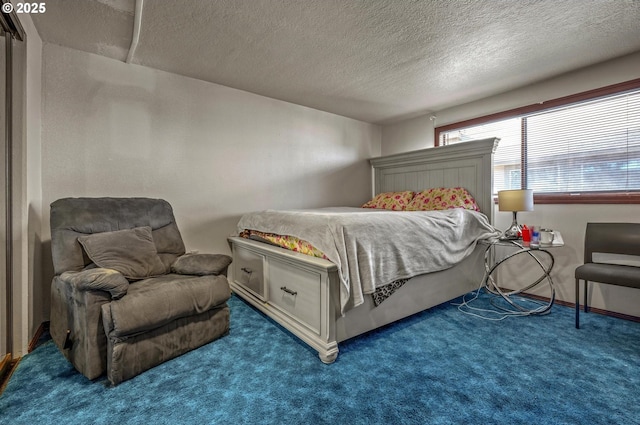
(376, 247)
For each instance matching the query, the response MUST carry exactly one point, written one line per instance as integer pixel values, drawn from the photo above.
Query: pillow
(131, 252)
(442, 199)
(390, 200)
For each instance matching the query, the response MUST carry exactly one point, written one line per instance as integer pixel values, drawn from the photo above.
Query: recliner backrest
(73, 217)
(611, 238)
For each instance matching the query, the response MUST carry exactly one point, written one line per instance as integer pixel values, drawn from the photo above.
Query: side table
(510, 296)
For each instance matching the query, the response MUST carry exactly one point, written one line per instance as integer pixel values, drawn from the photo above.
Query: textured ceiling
(373, 60)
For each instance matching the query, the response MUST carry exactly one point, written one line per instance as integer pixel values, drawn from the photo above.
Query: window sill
(585, 198)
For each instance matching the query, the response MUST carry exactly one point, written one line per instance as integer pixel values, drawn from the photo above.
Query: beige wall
(570, 220)
(409, 135)
(115, 129)
(32, 207)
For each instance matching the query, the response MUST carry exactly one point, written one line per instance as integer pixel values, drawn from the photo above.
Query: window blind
(507, 161)
(588, 147)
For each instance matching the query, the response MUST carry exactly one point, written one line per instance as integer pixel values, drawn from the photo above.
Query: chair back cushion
(75, 217)
(611, 238)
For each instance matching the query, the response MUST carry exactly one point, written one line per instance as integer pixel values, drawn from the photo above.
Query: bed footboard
(298, 291)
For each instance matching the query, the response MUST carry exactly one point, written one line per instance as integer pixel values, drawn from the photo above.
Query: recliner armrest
(98, 279)
(201, 264)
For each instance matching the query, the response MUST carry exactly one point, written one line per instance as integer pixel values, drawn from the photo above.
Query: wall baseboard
(4, 364)
(7, 367)
(591, 309)
(44, 327)
(8, 364)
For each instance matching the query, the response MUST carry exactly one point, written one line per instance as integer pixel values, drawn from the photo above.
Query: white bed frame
(301, 292)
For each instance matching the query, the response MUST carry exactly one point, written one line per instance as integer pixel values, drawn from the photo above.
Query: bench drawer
(295, 291)
(248, 271)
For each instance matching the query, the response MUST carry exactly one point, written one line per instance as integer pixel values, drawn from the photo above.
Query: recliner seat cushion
(154, 302)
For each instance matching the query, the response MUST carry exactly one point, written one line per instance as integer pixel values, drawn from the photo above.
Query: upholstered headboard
(468, 165)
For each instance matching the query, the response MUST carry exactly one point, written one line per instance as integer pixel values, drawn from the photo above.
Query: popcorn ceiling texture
(376, 61)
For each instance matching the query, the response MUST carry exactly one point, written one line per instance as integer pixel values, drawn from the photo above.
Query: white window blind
(588, 147)
(507, 171)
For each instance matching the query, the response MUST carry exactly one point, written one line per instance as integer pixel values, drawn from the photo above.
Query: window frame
(560, 198)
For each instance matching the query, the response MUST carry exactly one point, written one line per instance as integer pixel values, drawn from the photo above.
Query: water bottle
(535, 237)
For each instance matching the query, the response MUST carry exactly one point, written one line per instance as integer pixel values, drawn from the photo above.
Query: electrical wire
(498, 312)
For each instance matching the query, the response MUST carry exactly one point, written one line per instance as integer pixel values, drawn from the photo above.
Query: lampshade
(515, 200)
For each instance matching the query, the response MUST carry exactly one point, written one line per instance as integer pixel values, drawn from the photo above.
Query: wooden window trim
(585, 198)
(560, 198)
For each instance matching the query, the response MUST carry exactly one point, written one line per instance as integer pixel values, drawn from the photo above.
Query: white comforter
(376, 247)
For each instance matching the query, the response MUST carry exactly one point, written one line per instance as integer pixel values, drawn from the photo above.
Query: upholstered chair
(611, 256)
(125, 296)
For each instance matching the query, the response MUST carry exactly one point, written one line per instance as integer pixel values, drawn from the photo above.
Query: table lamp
(514, 201)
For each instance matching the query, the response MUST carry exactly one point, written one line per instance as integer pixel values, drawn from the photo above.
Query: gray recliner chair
(608, 238)
(125, 297)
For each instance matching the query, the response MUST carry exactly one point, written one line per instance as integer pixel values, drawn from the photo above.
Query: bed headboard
(468, 165)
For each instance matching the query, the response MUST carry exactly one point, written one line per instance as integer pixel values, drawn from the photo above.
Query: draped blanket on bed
(376, 247)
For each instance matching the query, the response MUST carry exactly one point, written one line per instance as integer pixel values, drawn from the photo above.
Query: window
(583, 148)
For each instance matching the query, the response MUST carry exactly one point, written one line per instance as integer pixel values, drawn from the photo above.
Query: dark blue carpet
(438, 367)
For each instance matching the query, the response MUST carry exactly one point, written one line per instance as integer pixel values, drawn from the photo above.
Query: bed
(316, 297)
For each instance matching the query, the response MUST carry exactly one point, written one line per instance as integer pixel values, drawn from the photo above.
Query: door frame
(12, 30)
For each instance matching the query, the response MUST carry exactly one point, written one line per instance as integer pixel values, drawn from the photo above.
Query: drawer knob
(288, 291)
(246, 270)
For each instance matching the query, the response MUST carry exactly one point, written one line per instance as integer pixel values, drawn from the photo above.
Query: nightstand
(542, 259)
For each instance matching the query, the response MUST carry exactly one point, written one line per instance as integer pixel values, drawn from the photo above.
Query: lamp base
(513, 232)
